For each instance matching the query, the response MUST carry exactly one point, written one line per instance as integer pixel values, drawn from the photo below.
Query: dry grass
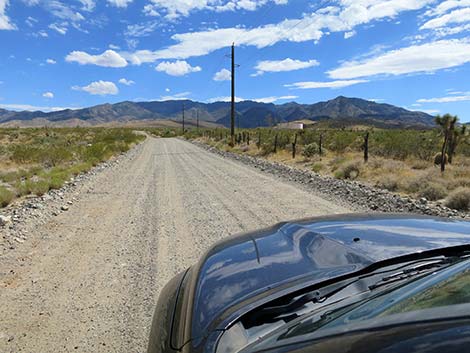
(414, 177)
(34, 161)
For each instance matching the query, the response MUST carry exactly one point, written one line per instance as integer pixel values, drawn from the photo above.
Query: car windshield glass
(447, 287)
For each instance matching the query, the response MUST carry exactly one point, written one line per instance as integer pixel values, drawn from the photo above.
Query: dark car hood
(236, 271)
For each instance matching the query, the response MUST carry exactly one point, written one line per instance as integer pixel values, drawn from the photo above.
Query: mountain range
(341, 111)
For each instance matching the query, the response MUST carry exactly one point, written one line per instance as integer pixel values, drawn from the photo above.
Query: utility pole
(183, 118)
(232, 111)
(197, 120)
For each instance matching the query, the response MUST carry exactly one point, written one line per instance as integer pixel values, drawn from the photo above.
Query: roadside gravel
(355, 194)
(81, 268)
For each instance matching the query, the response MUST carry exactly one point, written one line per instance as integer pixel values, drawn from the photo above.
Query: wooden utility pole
(183, 118)
(197, 120)
(366, 147)
(232, 110)
(294, 146)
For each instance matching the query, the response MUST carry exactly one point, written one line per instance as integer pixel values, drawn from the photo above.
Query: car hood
(237, 272)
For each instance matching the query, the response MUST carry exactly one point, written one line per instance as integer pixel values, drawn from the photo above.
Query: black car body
(265, 276)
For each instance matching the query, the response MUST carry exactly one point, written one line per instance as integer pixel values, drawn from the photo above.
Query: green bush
(56, 156)
(415, 184)
(348, 171)
(22, 188)
(433, 192)
(388, 182)
(310, 150)
(317, 167)
(6, 196)
(39, 187)
(459, 199)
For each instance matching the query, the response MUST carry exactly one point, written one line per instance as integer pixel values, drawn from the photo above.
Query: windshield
(450, 286)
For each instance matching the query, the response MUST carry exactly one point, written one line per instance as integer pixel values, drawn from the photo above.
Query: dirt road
(88, 280)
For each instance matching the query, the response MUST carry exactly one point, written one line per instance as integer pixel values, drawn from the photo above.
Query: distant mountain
(341, 111)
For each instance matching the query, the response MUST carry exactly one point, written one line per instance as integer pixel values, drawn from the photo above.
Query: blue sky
(77, 53)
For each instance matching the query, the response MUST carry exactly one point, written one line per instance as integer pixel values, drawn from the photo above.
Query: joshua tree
(447, 123)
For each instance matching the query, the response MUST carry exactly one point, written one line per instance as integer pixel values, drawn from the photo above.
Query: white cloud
(48, 95)
(120, 3)
(173, 9)
(59, 10)
(62, 29)
(273, 99)
(107, 59)
(114, 47)
(30, 21)
(447, 99)
(88, 5)
(222, 75)
(176, 97)
(427, 57)
(126, 82)
(177, 68)
(33, 108)
(41, 33)
(283, 65)
(167, 90)
(445, 6)
(430, 111)
(313, 26)
(224, 99)
(51, 61)
(349, 34)
(259, 100)
(5, 23)
(99, 88)
(141, 30)
(330, 84)
(456, 16)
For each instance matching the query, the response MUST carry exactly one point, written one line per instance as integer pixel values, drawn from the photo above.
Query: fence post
(319, 145)
(294, 146)
(259, 139)
(275, 143)
(248, 138)
(366, 147)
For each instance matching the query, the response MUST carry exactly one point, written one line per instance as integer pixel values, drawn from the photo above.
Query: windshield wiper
(412, 272)
(287, 308)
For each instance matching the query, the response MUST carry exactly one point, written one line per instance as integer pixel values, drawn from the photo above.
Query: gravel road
(87, 280)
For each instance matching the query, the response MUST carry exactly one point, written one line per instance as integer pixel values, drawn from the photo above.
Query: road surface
(88, 280)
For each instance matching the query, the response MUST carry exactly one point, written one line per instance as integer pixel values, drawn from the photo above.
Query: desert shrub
(454, 183)
(317, 167)
(96, 153)
(459, 199)
(168, 133)
(39, 187)
(266, 148)
(415, 184)
(79, 168)
(25, 153)
(438, 158)
(6, 196)
(420, 164)
(388, 182)
(310, 150)
(433, 192)
(348, 171)
(22, 188)
(55, 156)
(336, 162)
